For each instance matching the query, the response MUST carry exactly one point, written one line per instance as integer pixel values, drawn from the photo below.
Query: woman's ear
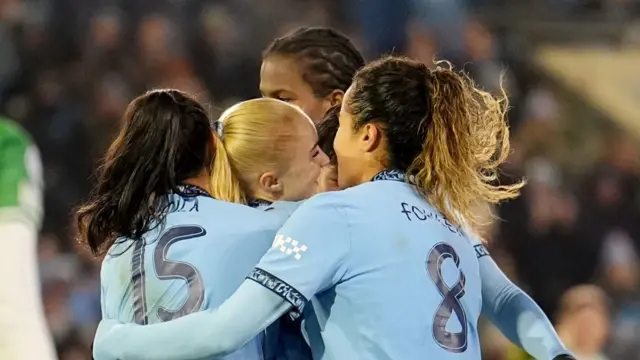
(270, 183)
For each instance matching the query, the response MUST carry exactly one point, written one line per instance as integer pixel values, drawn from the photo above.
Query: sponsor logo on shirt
(289, 246)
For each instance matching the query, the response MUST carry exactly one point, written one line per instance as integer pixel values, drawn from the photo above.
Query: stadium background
(69, 67)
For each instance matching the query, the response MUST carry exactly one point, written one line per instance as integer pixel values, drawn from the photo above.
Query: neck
(263, 195)
(201, 181)
(370, 171)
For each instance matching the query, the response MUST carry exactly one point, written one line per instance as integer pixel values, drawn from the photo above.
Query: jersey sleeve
(309, 252)
(514, 313)
(20, 178)
(203, 334)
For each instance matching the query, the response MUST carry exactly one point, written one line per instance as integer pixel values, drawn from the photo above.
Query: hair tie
(217, 125)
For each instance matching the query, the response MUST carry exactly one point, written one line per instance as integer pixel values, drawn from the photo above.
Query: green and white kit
(21, 181)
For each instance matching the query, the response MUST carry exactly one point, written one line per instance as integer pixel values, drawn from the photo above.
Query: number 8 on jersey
(450, 304)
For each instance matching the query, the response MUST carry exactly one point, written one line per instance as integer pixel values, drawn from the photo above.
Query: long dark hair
(166, 139)
(327, 130)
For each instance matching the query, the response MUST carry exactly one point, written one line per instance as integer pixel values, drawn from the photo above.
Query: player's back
(410, 288)
(195, 261)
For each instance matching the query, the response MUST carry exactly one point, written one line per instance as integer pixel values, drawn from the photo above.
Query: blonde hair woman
(266, 150)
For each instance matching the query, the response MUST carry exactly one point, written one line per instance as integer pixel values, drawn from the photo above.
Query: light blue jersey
(392, 277)
(195, 261)
(284, 338)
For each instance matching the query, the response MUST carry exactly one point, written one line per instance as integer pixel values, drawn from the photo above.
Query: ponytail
(466, 140)
(449, 136)
(225, 184)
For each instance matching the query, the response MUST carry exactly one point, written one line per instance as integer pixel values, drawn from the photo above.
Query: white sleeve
(23, 330)
(199, 335)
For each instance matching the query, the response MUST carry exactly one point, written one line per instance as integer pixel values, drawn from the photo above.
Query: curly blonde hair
(446, 133)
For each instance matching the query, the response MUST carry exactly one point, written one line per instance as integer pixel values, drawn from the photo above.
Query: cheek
(306, 173)
(347, 159)
(308, 180)
(337, 143)
(312, 107)
(342, 146)
(314, 170)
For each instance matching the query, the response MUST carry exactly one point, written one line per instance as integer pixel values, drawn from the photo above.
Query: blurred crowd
(68, 68)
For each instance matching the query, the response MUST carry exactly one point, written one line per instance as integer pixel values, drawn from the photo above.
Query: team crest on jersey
(289, 246)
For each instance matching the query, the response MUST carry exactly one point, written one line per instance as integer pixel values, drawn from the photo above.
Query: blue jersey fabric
(514, 313)
(284, 339)
(195, 260)
(393, 278)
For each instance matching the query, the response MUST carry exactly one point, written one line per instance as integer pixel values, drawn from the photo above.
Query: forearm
(516, 315)
(522, 321)
(203, 334)
(22, 323)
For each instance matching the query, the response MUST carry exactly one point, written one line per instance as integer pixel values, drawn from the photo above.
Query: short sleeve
(478, 245)
(309, 252)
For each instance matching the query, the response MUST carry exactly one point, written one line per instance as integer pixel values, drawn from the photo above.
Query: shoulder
(213, 208)
(10, 129)
(326, 212)
(13, 135)
(479, 246)
(20, 174)
(281, 210)
(343, 201)
(319, 224)
(285, 207)
(333, 201)
(120, 247)
(16, 146)
(231, 217)
(116, 265)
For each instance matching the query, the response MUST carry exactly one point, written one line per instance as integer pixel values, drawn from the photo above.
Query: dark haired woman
(311, 68)
(171, 248)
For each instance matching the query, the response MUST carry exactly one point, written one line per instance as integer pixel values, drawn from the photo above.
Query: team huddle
(331, 219)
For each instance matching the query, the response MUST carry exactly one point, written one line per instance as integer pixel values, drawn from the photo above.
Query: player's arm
(514, 313)
(23, 329)
(306, 257)
(211, 332)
